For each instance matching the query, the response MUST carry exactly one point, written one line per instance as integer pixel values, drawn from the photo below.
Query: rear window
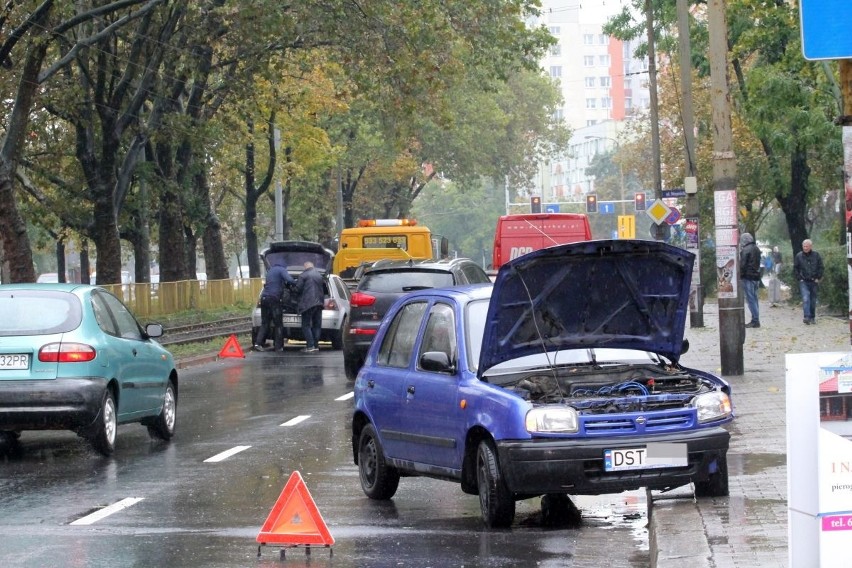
(404, 281)
(36, 312)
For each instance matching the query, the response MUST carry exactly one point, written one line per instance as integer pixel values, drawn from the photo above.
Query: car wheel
(557, 510)
(163, 426)
(717, 484)
(337, 337)
(495, 500)
(102, 436)
(378, 479)
(351, 365)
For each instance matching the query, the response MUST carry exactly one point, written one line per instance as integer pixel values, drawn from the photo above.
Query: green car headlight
(550, 420)
(712, 406)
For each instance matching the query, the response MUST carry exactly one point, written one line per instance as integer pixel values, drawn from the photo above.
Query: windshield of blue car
(38, 312)
(403, 281)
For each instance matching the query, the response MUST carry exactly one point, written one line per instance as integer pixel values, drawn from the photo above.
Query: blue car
(562, 378)
(73, 357)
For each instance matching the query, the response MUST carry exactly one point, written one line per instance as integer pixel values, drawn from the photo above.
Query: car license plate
(650, 457)
(16, 361)
(293, 319)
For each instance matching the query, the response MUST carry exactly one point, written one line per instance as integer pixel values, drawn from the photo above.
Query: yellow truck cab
(376, 239)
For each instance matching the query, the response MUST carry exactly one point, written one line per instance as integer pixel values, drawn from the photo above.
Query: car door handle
(410, 389)
(371, 383)
(134, 352)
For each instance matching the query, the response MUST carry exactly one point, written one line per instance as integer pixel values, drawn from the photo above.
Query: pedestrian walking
(808, 269)
(277, 278)
(311, 292)
(750, 276)
(775, 278)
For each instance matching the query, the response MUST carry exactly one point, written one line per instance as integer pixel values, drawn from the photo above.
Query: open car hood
(294, 254)
(627, 294)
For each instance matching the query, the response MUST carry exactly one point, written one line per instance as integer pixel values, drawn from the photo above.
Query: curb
(185, 362)
(676, 533)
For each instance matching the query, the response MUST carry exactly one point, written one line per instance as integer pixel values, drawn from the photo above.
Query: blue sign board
(551, 208)
(674, 192)
(606, 207)
(825, 29)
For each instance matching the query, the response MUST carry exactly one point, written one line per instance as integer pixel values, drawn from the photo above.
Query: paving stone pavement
(748, 528)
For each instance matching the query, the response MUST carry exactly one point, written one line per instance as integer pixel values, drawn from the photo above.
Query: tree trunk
(794, 203)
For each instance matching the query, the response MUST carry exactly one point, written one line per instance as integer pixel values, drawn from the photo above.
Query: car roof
(55, 286)
(416, 264)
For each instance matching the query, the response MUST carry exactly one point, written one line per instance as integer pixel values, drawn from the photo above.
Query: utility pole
(659, 230)
(846, 124)
(731, 320)
(691, 210)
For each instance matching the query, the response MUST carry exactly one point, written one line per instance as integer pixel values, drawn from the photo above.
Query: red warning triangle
(295, 519)
(232, 348)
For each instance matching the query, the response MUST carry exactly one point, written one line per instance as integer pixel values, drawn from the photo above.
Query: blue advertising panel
(825, 29)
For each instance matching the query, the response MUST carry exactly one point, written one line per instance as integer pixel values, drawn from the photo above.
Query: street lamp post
(620, 167)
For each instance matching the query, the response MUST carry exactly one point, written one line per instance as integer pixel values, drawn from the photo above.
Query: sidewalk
(748, 528)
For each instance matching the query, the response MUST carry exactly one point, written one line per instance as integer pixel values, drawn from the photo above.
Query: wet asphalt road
(195, 513)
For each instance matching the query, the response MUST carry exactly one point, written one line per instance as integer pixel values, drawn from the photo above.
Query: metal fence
(165, 298)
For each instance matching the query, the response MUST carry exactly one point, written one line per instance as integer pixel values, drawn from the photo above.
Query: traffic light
(591, 203)
(535, 204)
(639, 201)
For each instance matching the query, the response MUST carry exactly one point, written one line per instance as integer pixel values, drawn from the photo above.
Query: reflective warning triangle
(295, 519)
(232, 348)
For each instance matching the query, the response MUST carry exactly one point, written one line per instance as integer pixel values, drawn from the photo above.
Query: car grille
(607, 424)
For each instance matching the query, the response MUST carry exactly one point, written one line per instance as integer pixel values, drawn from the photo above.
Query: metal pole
(659, 230)
(279, 197)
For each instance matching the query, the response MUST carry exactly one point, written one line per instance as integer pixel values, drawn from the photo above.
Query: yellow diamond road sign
(658, 211)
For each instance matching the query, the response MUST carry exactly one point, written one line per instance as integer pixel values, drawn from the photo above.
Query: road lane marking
(107, 511)
(226, 454)
(346, 396)
(296, 420)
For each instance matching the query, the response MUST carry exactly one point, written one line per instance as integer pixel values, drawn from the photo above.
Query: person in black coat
(311, 291)
(808, 268)
(750, 276)
(271, 313)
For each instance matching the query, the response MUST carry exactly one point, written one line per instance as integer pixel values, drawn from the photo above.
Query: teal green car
(73, 357)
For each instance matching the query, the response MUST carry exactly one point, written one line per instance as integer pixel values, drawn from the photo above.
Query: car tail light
(362, 331)
(330, 304)
(360, 299)
(66, 353)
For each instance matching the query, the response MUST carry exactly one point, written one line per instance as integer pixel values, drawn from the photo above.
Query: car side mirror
(154, 330)
(436, 361)
(684, 347)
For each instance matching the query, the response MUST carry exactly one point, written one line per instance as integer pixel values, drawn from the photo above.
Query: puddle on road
(754, 464)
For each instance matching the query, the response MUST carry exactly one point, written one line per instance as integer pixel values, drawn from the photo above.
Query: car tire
(378, 479)
(717, 484)
(351, 365)
(337, 337)
(102, 434)
(495, 500)
(163, 427)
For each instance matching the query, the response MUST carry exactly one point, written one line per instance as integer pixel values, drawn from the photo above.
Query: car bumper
(535, 467)
(56, 404)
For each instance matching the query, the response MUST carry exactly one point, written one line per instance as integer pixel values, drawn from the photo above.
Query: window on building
(555, 70)
(554, 30)
(591, 122)
(590, 103)
(558, 114)
(605, 82)
(606, 102)
(588, 39)
(556, 50)
(590, 81)
(603, 39)
(589, 60)
(603, 60)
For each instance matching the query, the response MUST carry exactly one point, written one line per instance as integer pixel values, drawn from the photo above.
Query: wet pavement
(748, 528)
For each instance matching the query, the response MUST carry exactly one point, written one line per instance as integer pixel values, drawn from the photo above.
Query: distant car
(335, 310)
(560, 379)
(381, 283)
(73, 357)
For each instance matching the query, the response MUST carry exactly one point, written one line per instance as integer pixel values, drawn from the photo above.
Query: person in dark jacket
(750, 276)
(311, 292)
(270, 307)
(807, 266)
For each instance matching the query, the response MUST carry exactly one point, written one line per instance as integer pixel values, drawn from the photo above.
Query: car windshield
(38, 312)
(404, 281)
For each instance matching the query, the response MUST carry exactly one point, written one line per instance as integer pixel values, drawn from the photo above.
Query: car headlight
(712, 406)
(549, 419)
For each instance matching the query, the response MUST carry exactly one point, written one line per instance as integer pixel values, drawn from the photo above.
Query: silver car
(335, 311)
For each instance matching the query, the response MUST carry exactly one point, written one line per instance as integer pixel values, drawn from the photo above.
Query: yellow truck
(376, 239)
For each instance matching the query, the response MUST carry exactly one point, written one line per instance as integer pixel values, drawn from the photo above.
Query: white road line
(346, 396)
(226, 454)
(107, 511)
(296, 420)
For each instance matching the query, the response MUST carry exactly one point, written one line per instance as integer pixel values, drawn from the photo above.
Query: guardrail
(164, 298)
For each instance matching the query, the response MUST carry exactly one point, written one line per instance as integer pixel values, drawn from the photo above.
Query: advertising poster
(819, 459)
(726, 271)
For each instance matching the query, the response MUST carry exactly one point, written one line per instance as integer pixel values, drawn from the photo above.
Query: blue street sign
(674, 192)
(551, 208)
(606, 207)
(825, 29)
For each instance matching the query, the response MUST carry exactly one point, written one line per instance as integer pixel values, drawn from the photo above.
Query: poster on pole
(847, 179)
(726, 271)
